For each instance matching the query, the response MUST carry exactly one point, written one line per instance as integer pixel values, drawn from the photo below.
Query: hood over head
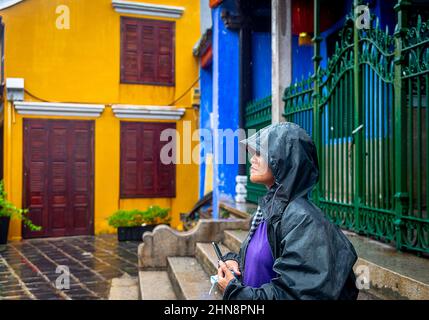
(292, 157)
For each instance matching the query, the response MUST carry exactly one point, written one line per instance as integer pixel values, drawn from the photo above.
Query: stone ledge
(388, 284)
(147, 112)
(149, 9)
(393, 274)
(9, 3)
(59, 109)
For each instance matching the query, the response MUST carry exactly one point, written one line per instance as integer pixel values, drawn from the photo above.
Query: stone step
(234, 238)
(392, 274)
(206, 256)
(124, 288)
(155, 285)
(189, 280)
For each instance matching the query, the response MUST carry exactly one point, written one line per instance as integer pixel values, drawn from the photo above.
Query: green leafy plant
(134, 218)
(7, 209)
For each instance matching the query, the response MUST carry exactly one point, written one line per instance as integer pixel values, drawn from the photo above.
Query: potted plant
(131, 224)
(8, 211)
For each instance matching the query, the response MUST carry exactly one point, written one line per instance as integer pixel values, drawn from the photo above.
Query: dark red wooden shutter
(142, 172)
(130, 134)
(130, 50)
(147, 51)
(148, 159)
(165, 63)
(166, 172)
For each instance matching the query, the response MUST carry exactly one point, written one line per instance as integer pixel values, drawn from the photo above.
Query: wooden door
(59, 176)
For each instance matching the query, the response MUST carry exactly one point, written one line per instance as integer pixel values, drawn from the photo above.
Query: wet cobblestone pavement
(28, 269)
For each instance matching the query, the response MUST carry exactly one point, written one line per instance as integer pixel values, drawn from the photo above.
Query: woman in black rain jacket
(305, 255)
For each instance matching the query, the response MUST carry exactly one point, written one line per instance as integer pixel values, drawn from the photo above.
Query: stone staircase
(188, 278)
(177, 265)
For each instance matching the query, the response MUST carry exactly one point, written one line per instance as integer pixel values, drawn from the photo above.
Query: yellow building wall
(82, 65)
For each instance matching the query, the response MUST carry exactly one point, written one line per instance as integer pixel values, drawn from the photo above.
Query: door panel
(35, 174)
(81, 176)
(58, 176)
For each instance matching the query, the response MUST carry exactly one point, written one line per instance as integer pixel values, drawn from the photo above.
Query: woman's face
(260, 172)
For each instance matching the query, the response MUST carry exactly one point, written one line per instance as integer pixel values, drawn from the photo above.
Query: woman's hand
(233, 265)
(224, 273)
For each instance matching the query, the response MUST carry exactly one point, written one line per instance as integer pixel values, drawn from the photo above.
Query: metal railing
(257, 116)
(366, 112)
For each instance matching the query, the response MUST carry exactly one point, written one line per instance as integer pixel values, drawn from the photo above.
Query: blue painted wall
(225, 106)
(261, 65)
(302, 64)
(220, 97)
(386, 12)
(206, 107)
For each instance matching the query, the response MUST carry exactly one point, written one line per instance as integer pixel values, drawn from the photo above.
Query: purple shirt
(258, 266)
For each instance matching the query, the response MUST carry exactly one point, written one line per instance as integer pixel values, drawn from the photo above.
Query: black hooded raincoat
(313, 259)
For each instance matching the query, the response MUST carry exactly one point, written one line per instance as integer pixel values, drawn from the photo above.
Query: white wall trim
(8, 3)
(147, 112)
(59, 109)
(148, 9)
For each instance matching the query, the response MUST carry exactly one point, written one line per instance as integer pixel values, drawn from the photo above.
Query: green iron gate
(367, 114)
(414, 98)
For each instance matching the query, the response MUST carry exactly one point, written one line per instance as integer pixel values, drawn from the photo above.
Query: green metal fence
(257, 116)
(367, 114)
(415, 101)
